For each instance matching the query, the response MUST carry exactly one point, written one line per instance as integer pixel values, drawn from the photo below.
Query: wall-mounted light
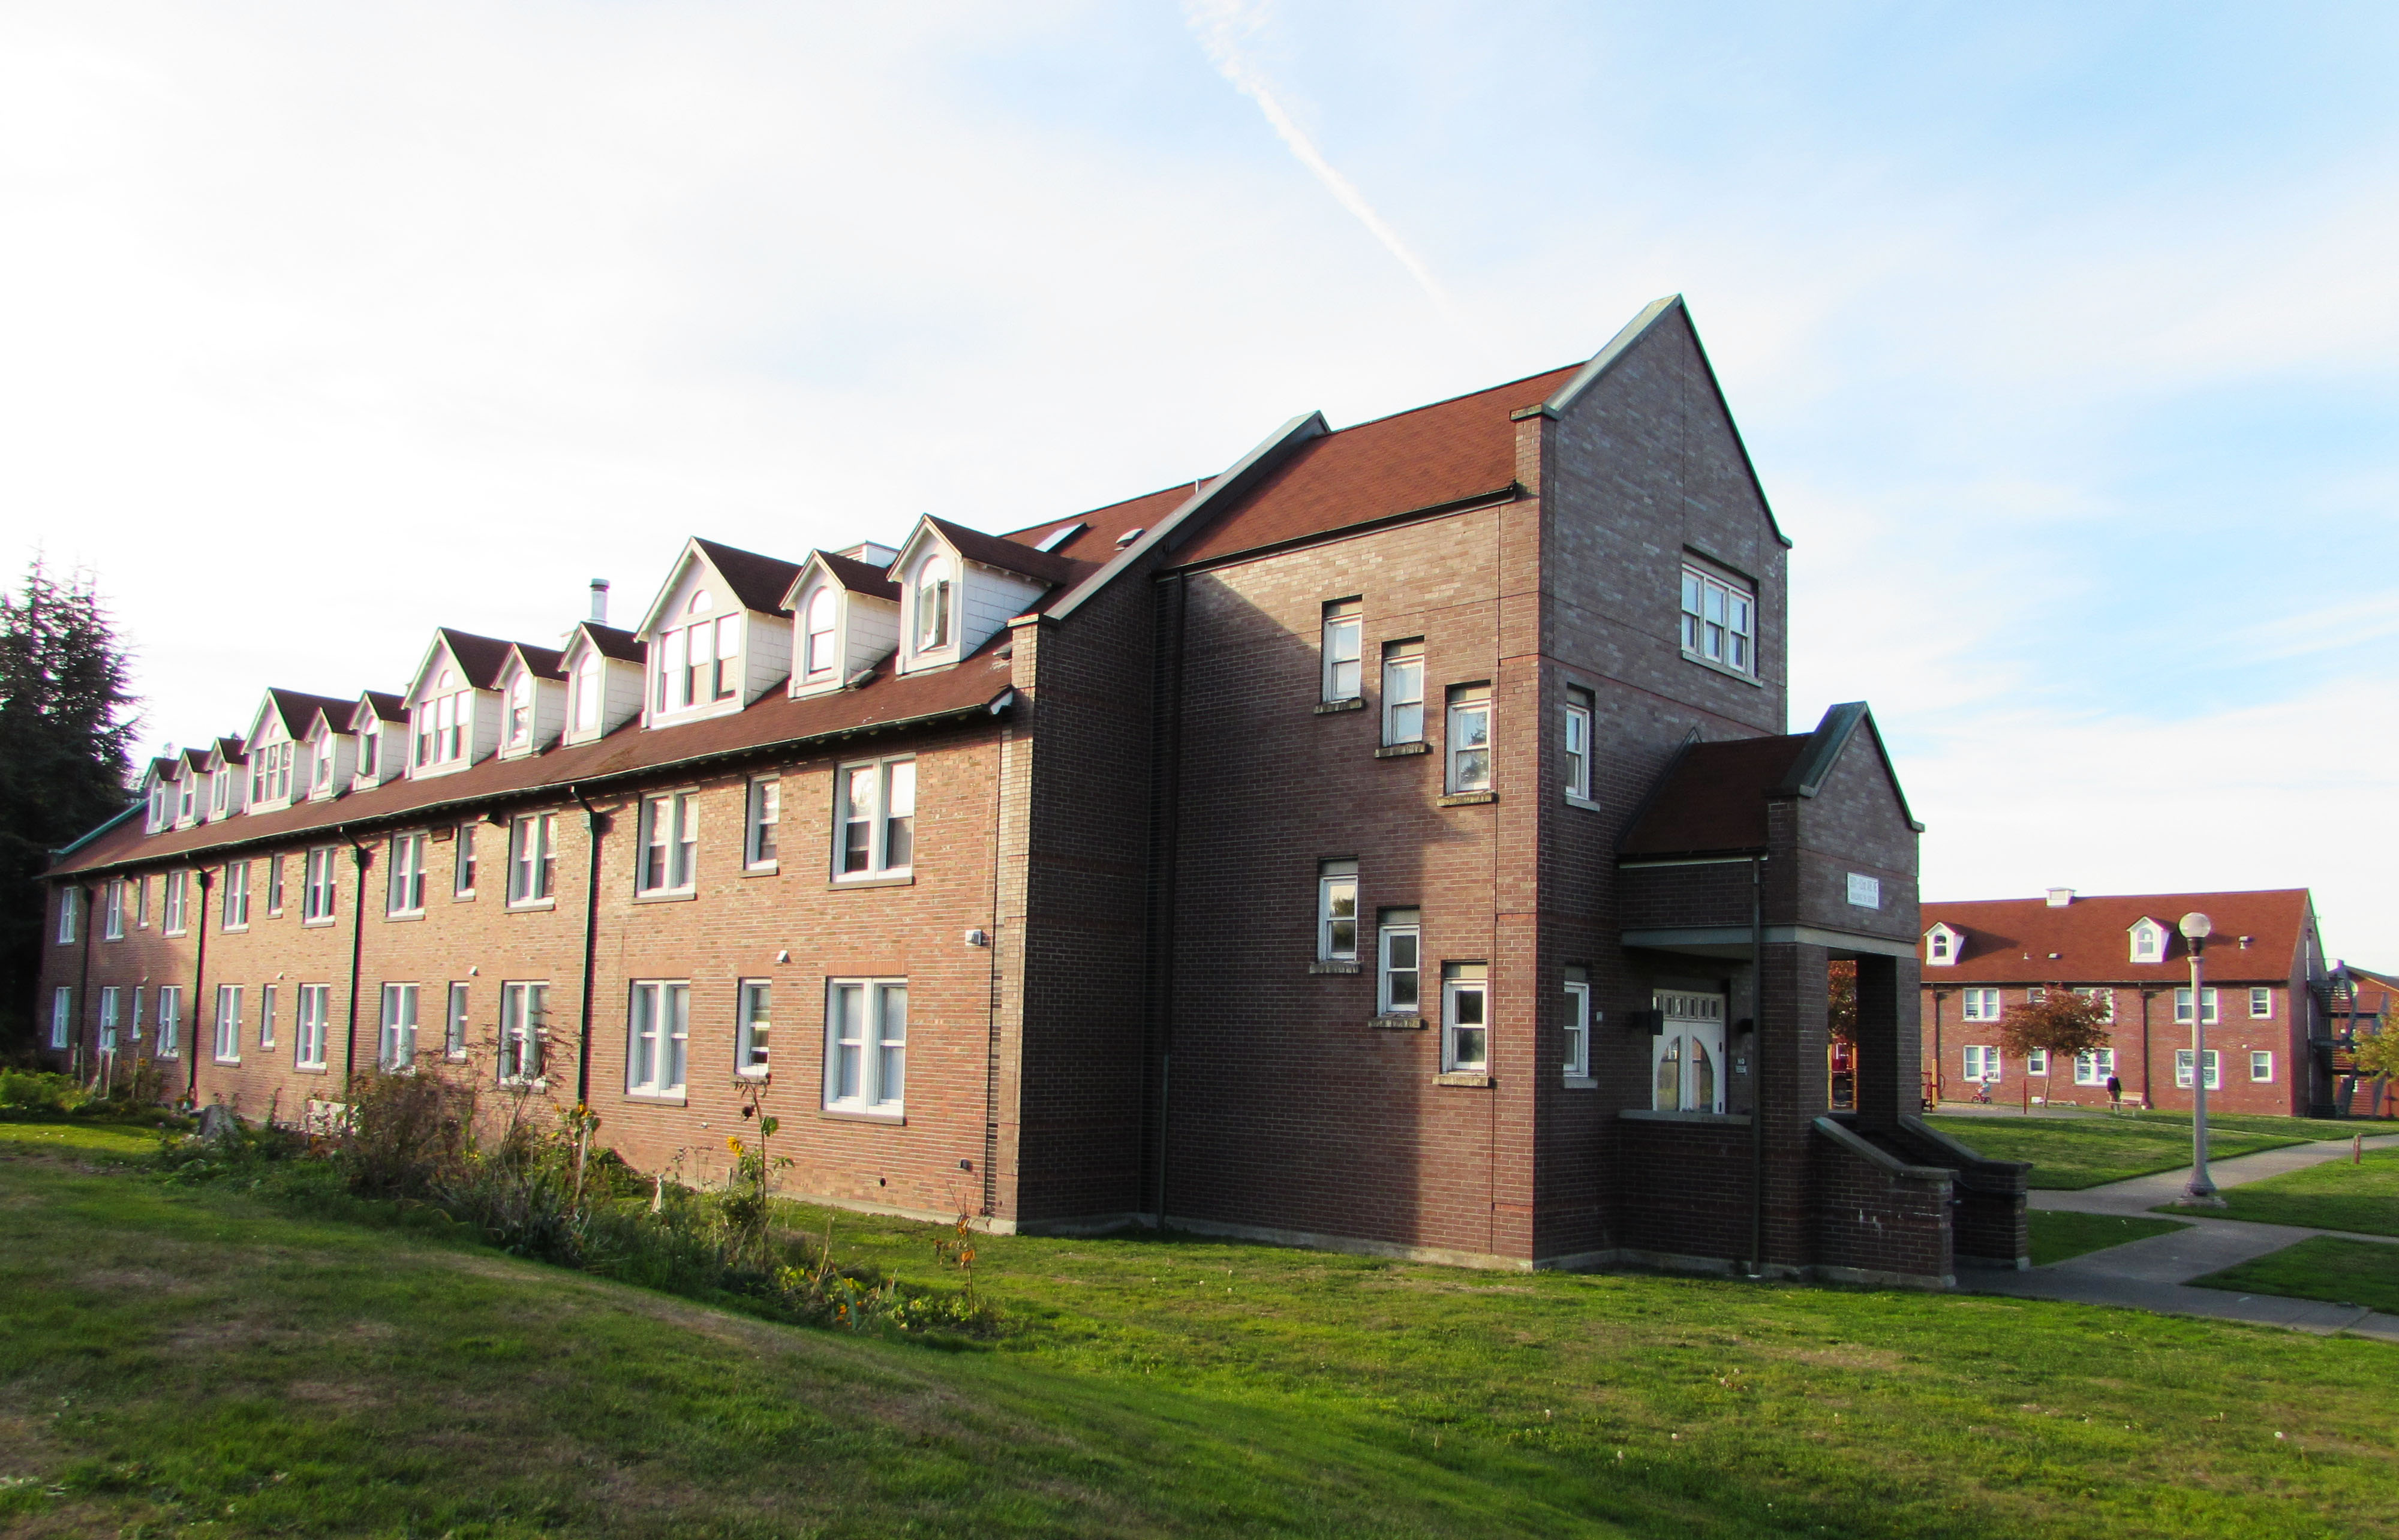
(782, 957)
(978, 937)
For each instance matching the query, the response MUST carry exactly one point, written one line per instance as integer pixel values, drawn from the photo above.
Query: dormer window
(933, 589)
(700, 662)
(818, 657)
(2149, 942)
(587, 693)
(324, 773)
(1941, 946)
(220, 789)
(184, 811)
(371, 750)
(521, 712)
(441, 735)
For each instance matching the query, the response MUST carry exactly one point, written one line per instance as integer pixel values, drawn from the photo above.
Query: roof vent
(2060, 897)
(1060, 535)
(1128, 537)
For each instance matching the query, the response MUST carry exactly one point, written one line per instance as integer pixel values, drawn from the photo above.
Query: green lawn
(181, 1361)
(2072, 1153)
(2057, 1235)
(2335, 1195)
(2364, 1273)
(91, 1140)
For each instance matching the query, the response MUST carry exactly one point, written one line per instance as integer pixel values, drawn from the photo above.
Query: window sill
(229, 1063)
(1584, 802)
(657, 1099)
(1333, 707)
(904, 879)
(1466, 799)
(465, 898)
(531, 906)
(1461, 1077)
(406, 916)
(1402, 750)
(1713, 666)
(681, 895)
(1644, 1115)
(1395, 1024)
(1581, 1082)
(838, 1115)
(1332, 968)
(242, 930)
(763, 868)
(752, 1077)
(303, 1069)
(305, 925)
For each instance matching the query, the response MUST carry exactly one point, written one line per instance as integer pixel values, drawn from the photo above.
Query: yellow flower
(732, 1144)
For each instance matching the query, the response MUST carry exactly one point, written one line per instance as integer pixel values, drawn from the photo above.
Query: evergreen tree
(67, 721)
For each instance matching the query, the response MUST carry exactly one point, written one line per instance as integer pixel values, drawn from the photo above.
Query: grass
(2335, 1195)
(2364, 1273)
(198, 1361)
(2058, 1234)
(24, 1134)
(2069, 1153)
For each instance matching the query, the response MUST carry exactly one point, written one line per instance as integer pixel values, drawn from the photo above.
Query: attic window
(1128, 537)
(1059, 536)
(816, 654)
(2149, 942)
(933, 605)
(1940, 947)
(701, 603)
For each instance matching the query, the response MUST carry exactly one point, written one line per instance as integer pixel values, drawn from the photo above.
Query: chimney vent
(2060, 897)
(599, 602)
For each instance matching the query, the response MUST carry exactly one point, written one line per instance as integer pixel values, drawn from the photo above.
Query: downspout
(1757, 1072)
(1170, 841)
(990, 1155)
(2149, 1103)
(204, 880)
(1940, 997)
(595, 823)
(81, 896)
(361, 858)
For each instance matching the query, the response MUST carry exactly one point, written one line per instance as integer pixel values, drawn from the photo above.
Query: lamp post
(2196, 927)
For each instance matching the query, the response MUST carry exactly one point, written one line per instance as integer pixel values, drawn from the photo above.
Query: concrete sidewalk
(2154, 1274)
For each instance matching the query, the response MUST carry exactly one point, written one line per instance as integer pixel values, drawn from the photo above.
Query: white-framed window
(1336, 911)
(1982, 1061)
(753, 1027)
(657, 1033)
(266, 1002)
(819, 658)
(1979, 1004)
(406, 878)
(174, 896)
(2261, 1065)
(454, 1021)
(524, 1012)
(170, 1020)
(371, 750)
(462, 863)
(532, 857)
(274, 865)
(141, 903)
(229, 1044)
(1404, 682)
(933, 604)
(1344, 639)
(2261, 1002)
(1719, 620)
(1576, 727)
(62, 1016)
(2206, 1007)
(316, 886)
(762, 820)
(136, 1004)
(308, 1025)
(109, 1001)
(2149, 942)
(1469, 737)
(520, 717)
(441, 724)
(2094, 1068)
(1465, 1018)
(2036, 1062)
(2104, 998)
(111, 911)
(1939, 947)
(270, 772)
(874, 818)
(1577, 1023)
(396, 1047)
(588, 693)
(323, 777)
(2182, 1069)
(68, 903)
(220, 791)
(1399, 963)
(866, 1045)
(236, 896)
(1686, 1057)
(670, 843)
(156, 818)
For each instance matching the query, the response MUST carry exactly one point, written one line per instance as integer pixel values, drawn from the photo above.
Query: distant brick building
(1389, 844)
(2264, 997)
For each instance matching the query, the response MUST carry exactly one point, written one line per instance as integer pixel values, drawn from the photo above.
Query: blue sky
(2063, 335)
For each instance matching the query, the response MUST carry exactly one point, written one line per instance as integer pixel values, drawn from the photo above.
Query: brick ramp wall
(1683, 1188)
(1990, 1228)
(1879, 1218)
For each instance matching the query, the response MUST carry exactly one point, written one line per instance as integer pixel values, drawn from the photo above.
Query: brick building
(1391, 842)
(2264, 997)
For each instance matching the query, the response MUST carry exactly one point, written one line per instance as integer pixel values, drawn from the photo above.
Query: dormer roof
(223, 753)
(608, 642)
(376, 706)
(296, 709)
(758, 582)
(541, 662)
(860, 577)
(1007, 555)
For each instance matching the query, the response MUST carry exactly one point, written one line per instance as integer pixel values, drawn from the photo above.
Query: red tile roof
(2009, 941)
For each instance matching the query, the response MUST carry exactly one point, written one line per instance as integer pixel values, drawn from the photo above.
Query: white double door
(1686, 1058)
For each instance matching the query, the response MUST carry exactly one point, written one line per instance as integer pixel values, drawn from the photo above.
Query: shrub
(408, 1133)
(39, 1091)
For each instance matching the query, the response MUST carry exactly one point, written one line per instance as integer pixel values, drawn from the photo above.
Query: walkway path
(2154, 1274)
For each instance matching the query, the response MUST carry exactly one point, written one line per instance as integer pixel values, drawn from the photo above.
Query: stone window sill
(1459, 1077)
(398, 919)
(1644, 1115)
(533, 906)
(890, 1120)
(1714, 668)
(1584, 802)
(904, 879)
(1466, 799)
(1402, 750)
(683, 897)
(305, 925)
(651, 1099)
(1329, 708)
(1332, 968)
(763, 868)
(1581, 1082)
(1395, 1024)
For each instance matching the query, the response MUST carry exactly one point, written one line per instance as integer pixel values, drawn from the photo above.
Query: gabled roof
(196, 759)
(758, 581)
(225, 751)
(1008, 554)
(608, 642)
(1712, 797)
(296, 709)
(541, 662)
(386, 705)
(2009, 941)
(479, 659)
(858, 577)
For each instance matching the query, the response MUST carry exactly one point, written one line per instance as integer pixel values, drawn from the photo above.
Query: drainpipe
(204, 880)
(1939, 997)
(1758, 1070)
(2149, 1103)
(1170, 838)
(595, 823)
(361, 859)
(80, 895)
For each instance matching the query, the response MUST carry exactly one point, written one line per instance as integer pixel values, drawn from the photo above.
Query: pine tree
(67, 721)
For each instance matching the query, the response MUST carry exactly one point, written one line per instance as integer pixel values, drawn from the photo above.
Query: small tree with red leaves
(2061, 1022)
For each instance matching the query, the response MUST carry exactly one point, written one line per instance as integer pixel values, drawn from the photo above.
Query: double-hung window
(866, 1045)
(1403, 680)
(109, 996)
(2095, 1067)
(442, 726)
(2149, 942)
(462, 867)
(1577, 731)
(2261, 1002)
(317, 886)
(274, 886)
(140, 903)
(111, 914)
(2206, 1005)
(658, 1030)
(454, 1022)
(236, 896)
(701, 663)
(933, 605)
(1980, 1004)
(1344, 630)
(396, 1049)
(2102, 998)
(1577, 1023)
(229, 1044)
(2182, 1069)
(524, 1011)
(1719, 621)
(266, 1002)
(875, 819)
(170, 1020)
(2262, 1064)
(753, 1027)
(308, 1025)
(817, 659)
(2036, 1062)
(1336, 911)
(136, 1003)
(62, 1016)
(407, 875)
(68, 897)
(323, 779)
(521, 712)
(765, 811)
(1982, 1061)
(670, 842)
(532, 857)
(1469, 737)
(1465, 1019)
(1399, 963)
(587, 693)
(370, 751)
(174, 892)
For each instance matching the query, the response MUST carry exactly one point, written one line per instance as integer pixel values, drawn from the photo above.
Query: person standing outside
(2115, 1094)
